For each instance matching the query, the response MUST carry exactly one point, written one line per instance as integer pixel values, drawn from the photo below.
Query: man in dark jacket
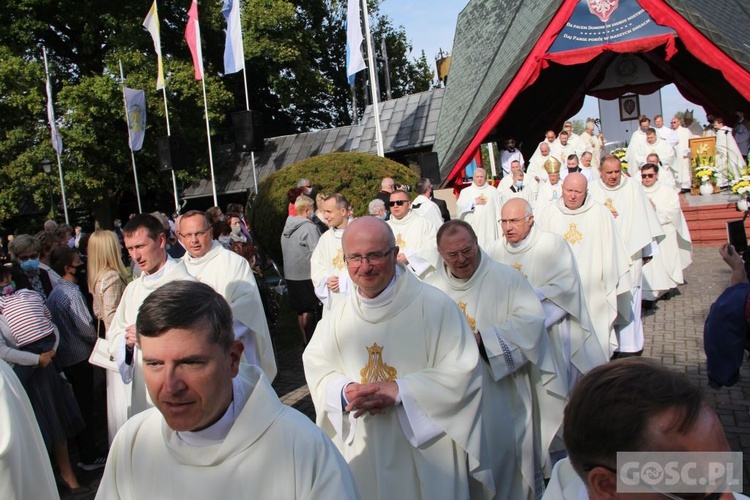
(298, 240)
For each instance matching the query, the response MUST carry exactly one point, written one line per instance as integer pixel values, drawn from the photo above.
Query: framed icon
(630, 107)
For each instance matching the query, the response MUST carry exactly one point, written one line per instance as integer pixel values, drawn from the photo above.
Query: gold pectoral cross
(376, 370)
(610, 205)
(472, 321)
(400, 243)
(573, 235)
(518, 267)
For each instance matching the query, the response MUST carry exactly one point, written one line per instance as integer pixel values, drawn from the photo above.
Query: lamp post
(47, 167)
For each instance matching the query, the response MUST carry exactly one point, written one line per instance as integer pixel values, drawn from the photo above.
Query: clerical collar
(161, 272)
(521, 245)
(193, 260)
(217, 432)
(651, 189)
(384, 298)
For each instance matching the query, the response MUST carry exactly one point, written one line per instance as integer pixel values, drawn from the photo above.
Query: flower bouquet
(620, 154)
(706, 176)
(741, 187)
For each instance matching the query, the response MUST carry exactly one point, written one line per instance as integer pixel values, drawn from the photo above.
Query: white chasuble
(415, 238)
(231, 277)
(127, 312)
(427, 445)
(522, 387)
(482, 218)
(665, 271)
(328, 260)
(602, 260)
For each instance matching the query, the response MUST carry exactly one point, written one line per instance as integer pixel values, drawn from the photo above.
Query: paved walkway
(674, 335)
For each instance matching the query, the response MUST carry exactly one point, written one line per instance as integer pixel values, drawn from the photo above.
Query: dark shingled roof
(494, 37)
(408, 124)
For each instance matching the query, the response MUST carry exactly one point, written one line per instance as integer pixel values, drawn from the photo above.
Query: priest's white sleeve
(334, 408)
(504, 358)
(243, 333)
(126, 370)
(416, 425)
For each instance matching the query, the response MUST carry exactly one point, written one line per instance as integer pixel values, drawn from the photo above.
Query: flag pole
(130, 139)
(373, 81)
(169, 133)
(51, 112)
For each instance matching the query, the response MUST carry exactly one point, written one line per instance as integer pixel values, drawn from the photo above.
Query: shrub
(355, 175)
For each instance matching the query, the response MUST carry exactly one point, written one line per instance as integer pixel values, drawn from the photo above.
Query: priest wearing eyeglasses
(415, 235)
(394, 375)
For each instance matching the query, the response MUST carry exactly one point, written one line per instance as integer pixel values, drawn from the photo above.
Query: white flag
(135, 105)
(151, 23)
(56, 139)
(354, 60)
(234, 52)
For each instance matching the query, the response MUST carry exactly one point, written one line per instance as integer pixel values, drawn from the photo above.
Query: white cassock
(547, 262)
(506, 157)
(592, 144)
(328, 260)
(665, 152)
(682, 156)
(127, 312)
(636, 138)
(526, 192)
(482, 218)
(664, 272)
(231, 277)
(547, 194)
(640, 231)
(602, 259)
(666, 134)
(25, 468)
(562, 152)
(259, 444)
(520, 377)
(429, 444)
(416, 238)
(729, 160)
(565, 483)
(536, 168)
(428, 209)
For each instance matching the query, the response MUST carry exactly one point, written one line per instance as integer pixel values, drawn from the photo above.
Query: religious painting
(702, 152)
(630, 107)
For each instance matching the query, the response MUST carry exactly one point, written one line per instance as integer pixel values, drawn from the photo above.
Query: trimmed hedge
(355, 175)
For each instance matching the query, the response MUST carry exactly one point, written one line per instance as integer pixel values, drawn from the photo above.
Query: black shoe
(96, 463)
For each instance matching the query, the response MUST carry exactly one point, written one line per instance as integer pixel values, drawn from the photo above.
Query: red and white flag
(193, 37)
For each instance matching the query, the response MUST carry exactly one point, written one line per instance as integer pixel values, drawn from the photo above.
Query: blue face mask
(518, 184)
(30, 265)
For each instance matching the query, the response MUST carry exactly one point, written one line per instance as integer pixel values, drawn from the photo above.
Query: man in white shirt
(218, 426)
(327, 269)
(424, 206)
(415, 236)
(510, 154)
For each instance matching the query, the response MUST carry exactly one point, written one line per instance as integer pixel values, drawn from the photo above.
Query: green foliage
(355, 175)
(578, 126)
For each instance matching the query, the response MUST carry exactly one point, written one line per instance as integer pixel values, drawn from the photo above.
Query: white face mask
(235, 229)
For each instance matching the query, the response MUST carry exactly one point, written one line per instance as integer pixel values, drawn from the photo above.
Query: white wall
(614, 129)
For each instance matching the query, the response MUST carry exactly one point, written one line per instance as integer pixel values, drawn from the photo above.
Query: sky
(431, 24)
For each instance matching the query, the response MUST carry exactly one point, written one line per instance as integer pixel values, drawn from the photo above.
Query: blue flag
(135, 104)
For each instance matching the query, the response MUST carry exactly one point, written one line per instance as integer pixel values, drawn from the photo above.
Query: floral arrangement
(620, 154)
(706, 174)
(741, 185)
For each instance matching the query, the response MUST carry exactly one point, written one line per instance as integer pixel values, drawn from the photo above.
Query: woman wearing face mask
(24, 251)
(236, 230)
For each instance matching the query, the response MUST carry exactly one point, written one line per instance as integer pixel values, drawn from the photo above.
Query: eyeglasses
(397, 202)
(647, 176)
(466, 252)
(513, 222)
(372, 258)
(197, 234)
(32, 256)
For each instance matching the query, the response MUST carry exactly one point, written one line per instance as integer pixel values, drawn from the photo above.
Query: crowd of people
(471, 357)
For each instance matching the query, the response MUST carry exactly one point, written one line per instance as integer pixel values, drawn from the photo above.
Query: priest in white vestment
(664, 272)
(695, 128)
(479, 204)
(579, 147)
(509, 154)
(415, 236)
(665, 152)
(25, 468)
(729, 161)
(587, 167)
(665, 133)
(520, 188)
(682, 154)
(507, 181)
(395, 378)
(592, 143)
(521, 379)
(636, 138)
(550, 190)
(146, 243)
(424, 206)
(327, 268)
(640, 230)
(601, 256)
(564, 147)
(231, 276)
(218, 429)
(535, 169)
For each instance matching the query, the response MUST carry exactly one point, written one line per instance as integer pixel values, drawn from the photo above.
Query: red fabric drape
(538, 59)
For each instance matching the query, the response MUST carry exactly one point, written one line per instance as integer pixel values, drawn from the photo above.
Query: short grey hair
(375, 207)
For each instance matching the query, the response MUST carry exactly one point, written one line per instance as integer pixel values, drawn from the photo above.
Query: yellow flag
(151, 23)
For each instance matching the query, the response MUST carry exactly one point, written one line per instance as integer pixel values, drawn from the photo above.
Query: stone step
(707, 223)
